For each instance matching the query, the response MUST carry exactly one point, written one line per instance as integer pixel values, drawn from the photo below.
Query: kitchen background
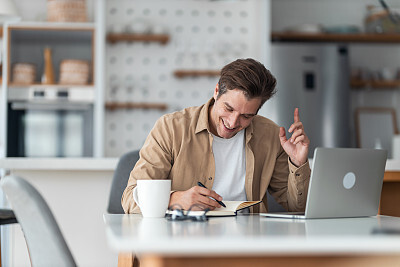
(136, 82)
(332, 106)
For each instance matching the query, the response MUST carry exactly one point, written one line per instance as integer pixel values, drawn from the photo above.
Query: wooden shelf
(26, 39)
(130, 37)
(331, 37)
(56, 85)
(131, 105)
(196, 73)
(360, 84)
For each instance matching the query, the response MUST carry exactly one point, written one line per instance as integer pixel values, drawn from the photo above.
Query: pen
(219, 202)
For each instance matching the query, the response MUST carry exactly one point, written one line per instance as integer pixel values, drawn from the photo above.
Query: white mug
(152, 197)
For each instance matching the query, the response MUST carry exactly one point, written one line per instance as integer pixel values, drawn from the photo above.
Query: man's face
(232, 112)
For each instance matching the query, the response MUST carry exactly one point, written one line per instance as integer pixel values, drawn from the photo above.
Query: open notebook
(232, 207)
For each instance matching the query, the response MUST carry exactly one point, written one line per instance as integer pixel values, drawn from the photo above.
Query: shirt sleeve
(289, 183)
(155, 162)
(298, 181)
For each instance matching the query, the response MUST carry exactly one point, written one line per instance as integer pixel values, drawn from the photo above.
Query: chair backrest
(45, 241)
(120, 180)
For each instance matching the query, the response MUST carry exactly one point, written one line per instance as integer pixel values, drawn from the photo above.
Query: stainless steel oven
(50, 122)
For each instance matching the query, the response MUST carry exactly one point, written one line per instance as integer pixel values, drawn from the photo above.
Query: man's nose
(233, 120)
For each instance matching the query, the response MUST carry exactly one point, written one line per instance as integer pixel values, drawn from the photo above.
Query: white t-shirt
(230, 167)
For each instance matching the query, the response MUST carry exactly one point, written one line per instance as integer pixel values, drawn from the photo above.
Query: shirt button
(209, 178)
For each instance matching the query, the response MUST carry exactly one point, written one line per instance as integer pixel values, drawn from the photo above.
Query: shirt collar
(249, 131)
(203, 123)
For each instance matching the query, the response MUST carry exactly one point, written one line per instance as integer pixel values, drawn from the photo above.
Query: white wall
(203, 36)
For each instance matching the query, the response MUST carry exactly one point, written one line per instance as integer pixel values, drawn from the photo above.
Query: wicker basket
(74, 71)
(66, 10)
(24, 73)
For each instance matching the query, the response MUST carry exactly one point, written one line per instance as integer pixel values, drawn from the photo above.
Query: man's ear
(216, 90)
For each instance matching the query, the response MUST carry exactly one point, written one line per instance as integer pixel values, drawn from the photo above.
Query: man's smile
(227, 127)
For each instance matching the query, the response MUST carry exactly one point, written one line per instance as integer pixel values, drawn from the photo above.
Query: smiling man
(224, 144)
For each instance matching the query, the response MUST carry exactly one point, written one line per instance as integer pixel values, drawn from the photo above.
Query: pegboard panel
(204, 35)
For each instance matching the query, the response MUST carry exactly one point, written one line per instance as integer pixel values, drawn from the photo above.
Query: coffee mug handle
(135, 195)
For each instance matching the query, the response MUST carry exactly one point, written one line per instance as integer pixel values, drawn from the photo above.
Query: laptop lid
(345, 182)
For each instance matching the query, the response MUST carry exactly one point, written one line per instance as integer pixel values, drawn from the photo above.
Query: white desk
(253, 240)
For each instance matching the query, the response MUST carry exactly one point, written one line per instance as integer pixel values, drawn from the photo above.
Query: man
(224, 144)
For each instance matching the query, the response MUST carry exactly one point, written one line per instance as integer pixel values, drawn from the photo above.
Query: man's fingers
(296, 115)
(295, 125)
(209, 203)
(299, 136)
(282, 135)
(194, 197)
(205, 199)
(215, 196)
(298, 139)
(296, 134)
(209, 193)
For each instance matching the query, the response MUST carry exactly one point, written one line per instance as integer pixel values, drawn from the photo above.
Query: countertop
(78, 164)
(97, 164)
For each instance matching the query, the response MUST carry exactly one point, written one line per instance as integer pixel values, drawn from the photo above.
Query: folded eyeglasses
(177, 213)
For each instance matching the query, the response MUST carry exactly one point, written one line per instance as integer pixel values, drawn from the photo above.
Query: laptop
(344, 183)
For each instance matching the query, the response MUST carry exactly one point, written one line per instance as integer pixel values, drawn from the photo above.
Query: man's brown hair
(247, 75)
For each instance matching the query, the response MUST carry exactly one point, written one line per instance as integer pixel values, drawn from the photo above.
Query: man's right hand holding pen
(196, 195)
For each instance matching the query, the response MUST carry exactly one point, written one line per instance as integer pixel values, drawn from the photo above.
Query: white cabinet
(53, 119)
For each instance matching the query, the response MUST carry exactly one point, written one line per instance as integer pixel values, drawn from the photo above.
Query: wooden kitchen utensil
(48, 73)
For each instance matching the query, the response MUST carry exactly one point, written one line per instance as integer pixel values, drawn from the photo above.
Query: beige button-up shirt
(179, 148)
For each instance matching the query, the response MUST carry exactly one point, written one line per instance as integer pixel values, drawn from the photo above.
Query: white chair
(46, 244)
